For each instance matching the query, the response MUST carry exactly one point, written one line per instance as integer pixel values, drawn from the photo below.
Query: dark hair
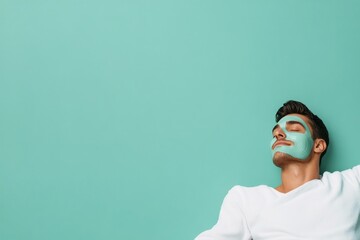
(317, 125)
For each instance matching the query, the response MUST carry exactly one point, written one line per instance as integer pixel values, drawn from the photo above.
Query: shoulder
(250, 201)
(250, 195)
(242, 190)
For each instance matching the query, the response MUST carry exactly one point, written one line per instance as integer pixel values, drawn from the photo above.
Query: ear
(319, 145)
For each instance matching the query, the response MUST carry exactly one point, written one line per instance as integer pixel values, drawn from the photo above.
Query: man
(305, 205)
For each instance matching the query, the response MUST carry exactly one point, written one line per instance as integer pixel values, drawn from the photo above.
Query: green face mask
(302, 142)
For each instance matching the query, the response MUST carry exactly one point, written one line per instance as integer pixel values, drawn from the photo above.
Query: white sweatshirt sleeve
(231, 224)
(356, 171)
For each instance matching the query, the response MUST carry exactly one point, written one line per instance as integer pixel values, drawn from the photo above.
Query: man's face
(292, 136)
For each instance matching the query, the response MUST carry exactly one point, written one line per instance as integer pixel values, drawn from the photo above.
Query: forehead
(294, 117)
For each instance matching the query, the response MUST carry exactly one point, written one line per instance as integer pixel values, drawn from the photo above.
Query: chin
(280, 159)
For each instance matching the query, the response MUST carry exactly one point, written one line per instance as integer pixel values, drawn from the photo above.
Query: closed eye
(294, 126)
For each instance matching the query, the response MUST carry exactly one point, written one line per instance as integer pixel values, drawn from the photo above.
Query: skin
(295, 172)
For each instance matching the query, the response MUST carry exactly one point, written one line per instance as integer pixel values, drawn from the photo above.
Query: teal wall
(132, 119)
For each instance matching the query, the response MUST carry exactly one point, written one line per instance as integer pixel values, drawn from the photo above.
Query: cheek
(301, 141)
(294, 137)
(298, 139)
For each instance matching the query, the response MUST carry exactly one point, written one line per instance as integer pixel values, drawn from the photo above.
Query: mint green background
(132, 119)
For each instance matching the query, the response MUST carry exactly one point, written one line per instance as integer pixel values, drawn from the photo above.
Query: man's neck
(296, 174)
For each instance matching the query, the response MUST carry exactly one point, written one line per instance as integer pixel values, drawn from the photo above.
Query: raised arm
(356, 170)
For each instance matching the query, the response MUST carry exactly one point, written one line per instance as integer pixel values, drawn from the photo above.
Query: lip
(281, 142)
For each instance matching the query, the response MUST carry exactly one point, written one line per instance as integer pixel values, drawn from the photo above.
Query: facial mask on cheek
(302, 142)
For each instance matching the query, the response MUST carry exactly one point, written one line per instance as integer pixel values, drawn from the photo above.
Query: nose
(279, 133)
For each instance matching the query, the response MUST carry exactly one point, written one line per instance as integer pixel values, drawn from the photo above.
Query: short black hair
(317, 125)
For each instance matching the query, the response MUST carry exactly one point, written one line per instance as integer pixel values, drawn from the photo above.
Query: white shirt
(321, 209)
